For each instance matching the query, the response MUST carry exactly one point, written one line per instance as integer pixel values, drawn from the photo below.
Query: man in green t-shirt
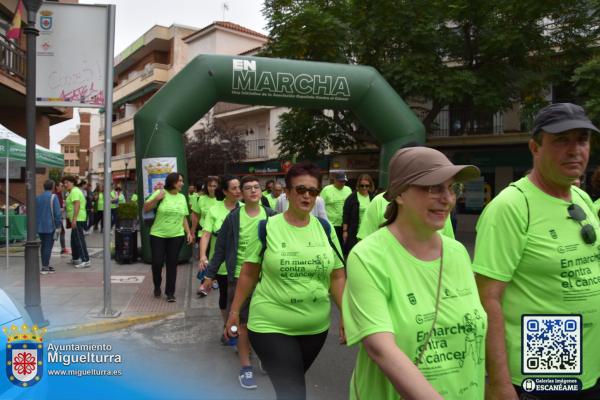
(272, 198)
(76, 216)
(536, 253)
(334, 196)
(239, 229)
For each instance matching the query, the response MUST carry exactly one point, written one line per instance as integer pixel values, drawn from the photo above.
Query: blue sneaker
(232, 341)
(246, 378)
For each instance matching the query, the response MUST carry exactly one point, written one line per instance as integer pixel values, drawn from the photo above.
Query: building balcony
(118, 162)
(120, 128)
(12, 60)
(467, 126)
(257, 149)
(152, 77)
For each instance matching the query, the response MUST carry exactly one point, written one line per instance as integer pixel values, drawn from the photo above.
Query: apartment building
(69, 146)
(13, 62)
(140, 71)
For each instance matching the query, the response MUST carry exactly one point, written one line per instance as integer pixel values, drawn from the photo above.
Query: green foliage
(481, 55)
(587, 82)
(206, 155)
(127, 211)
(55, 174)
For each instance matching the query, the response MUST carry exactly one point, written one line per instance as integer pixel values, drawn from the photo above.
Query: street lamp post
(126, 176)
(32, 268)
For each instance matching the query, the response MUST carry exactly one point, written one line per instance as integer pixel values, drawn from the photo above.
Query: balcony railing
(464, 121)
(12, 58)
(257, 148)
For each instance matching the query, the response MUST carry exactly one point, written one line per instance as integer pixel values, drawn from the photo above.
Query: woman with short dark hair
(168, 232)
(299, 268)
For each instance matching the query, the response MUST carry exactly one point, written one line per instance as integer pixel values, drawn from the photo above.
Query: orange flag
(14, 32)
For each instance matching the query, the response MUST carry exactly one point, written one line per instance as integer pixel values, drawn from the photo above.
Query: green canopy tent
(12, 151)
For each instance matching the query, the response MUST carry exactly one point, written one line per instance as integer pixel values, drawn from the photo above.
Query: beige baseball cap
(423, 166)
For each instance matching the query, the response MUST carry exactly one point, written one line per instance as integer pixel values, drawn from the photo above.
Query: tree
(587, 82)
(479, 57)
(206, 153)
(55, 174)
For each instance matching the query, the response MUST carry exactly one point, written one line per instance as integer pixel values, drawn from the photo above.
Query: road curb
(104, 326)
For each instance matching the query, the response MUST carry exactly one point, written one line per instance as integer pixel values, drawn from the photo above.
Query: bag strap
(52, 207)
(327, 227)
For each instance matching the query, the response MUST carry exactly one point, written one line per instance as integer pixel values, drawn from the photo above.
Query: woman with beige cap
(410, 298)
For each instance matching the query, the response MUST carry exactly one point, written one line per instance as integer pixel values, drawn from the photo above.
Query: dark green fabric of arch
(207, 79)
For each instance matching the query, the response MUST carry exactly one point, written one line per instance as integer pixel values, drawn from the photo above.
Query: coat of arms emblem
(24, 355)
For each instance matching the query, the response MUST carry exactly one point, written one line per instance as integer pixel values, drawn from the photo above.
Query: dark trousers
(592, 393)
(61, 237)
(223, 284)
(78, 245)
(113, 217)
(286, 359)
(165, 250)
(90, 219)
(98, 219)
(47, 241)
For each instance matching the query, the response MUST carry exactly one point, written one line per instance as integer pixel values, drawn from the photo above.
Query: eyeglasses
(250, 188)
(436, 191)
(588, 234)
(301, 189)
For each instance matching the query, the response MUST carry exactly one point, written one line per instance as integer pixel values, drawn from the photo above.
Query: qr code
(551, 344)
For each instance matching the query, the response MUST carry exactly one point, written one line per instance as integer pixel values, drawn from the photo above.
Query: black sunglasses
(301, 189)
(588, 234)
(364, 186)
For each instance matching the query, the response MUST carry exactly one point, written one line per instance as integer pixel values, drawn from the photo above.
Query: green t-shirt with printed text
(292, 296)
(100, 202)
(539, 252)
(363, 204)
(201, 207)
(374, 217)
(334, 199)
(168, 222)
(76, 195)
(212, 224)
(393, 291)
(248, 234)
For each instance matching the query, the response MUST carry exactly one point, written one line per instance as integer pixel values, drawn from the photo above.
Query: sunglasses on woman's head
(301, 189)
(576, 213)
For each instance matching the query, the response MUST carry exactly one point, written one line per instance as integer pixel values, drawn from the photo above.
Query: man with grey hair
(48, 218)
(536, 254)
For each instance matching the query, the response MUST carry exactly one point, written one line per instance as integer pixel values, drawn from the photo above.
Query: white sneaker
(75, 262)
(84, 264)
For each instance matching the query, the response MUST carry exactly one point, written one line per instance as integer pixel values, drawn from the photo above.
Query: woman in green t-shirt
(98, 212)
(354, 207)
(169, 230)
(211, 227)
(411, 299)
(290, 308)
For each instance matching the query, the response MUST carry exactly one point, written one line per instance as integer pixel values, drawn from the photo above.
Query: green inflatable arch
(207, 79)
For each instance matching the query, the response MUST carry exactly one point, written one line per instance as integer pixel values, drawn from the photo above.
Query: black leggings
(165, 249)
(286, 359)
(222, 281)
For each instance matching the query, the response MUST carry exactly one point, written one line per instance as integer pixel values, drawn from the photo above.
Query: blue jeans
(78, 245)
(47, 240)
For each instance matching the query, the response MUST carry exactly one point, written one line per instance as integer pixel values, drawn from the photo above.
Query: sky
(135, 17)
